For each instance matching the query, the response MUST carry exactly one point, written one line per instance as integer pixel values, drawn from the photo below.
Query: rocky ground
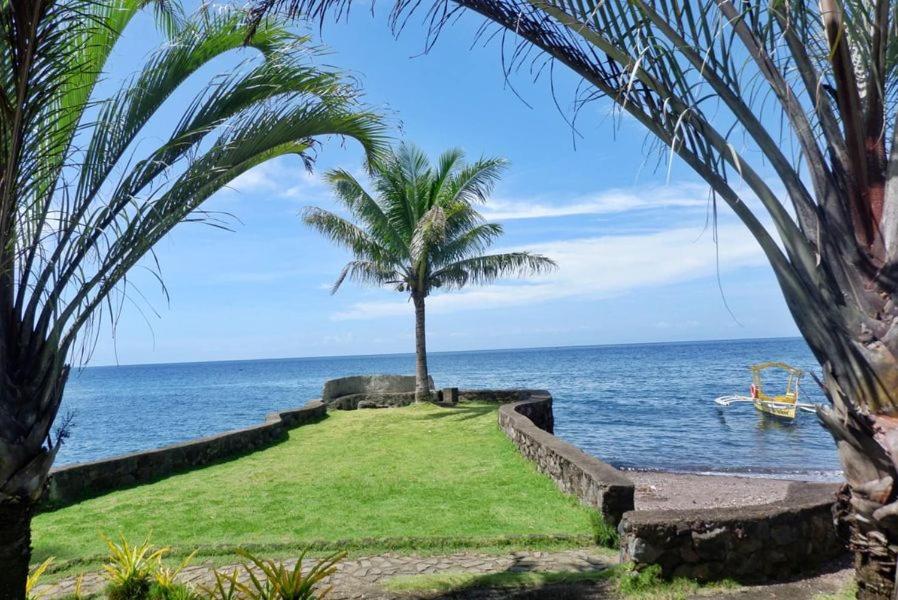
(655, 490)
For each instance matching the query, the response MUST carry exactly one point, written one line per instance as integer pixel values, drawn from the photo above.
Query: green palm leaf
(84, 195)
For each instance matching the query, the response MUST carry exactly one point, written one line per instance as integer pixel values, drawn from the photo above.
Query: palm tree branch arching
(85, 193)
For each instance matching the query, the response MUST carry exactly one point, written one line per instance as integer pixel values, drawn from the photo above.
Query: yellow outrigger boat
(784, 405)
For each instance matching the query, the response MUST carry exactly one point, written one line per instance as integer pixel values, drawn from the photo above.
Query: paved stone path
(361, 577)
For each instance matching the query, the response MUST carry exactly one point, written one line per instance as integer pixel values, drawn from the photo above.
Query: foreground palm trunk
(15, 548)
(422, 377)
(866, 505)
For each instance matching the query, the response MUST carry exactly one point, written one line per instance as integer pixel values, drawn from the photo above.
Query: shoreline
(664, 490)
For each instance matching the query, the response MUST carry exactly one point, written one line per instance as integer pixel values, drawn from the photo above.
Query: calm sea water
(644, 406)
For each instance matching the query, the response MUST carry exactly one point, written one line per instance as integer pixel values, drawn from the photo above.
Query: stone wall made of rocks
(73, 483)
(369, 391)
(527, 420)
(749, 544)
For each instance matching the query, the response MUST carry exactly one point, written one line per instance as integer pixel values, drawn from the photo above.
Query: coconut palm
(419, 231)
(792, 104)
(84, 195)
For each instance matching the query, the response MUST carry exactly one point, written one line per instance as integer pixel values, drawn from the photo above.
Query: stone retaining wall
(73, 483)
(369, 391)
(527, 420)
(749, 544)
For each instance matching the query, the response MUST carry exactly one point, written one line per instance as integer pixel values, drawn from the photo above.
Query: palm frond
(482, 270)
(83, 201)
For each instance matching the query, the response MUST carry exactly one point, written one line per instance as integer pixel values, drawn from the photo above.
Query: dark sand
(655, 490)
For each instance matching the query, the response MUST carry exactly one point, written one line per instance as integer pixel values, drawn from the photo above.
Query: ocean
(638, 406)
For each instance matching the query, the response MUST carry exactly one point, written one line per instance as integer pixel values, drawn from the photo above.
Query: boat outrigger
(785, 405)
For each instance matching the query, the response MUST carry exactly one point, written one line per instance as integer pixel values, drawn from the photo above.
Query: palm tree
(84, 196)
(790, 103)
(419, 231)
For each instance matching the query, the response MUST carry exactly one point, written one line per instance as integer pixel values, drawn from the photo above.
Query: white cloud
(261, 277)
(281, 178)
(595, 268)
(607, 202)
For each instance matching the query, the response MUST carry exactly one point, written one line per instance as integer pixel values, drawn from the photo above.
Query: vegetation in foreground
(137, 572)
(419, 231)
(368, 481)
(86, 192)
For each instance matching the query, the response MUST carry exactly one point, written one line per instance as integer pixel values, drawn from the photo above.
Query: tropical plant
(130, 568)
(34, 579)
(84, 195)
(224, 588)
(165, 585)
(787, 110)
(419, 231)
(274, 581)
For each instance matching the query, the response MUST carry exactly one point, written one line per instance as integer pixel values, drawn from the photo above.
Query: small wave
(822, 476)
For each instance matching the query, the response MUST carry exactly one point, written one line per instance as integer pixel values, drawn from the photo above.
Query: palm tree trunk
(15, 548)
(867, 505)
(422, 378)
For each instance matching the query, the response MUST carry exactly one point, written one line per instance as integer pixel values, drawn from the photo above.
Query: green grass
(647, 584)
(420, 478)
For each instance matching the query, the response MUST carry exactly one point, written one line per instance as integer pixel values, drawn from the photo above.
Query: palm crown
(85, 193)
(420, 229)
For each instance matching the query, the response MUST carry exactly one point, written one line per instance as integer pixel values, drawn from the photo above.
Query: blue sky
(637, 260)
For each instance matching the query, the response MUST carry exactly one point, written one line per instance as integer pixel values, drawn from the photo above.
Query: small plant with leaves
(34, 578)
(165, 585)
(277, 582)
(225, 587)
(131, 568)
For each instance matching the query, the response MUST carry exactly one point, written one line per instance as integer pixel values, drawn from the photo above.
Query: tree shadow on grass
(553, 591)
(522, 580)
(461, 412)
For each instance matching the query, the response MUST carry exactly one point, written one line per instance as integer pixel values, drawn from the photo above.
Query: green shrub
(174, 591)
(604, 533)
(132, 589)
(277, 582)
(130, 569)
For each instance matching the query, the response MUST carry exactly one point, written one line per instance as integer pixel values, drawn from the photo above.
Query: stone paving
(361, 577)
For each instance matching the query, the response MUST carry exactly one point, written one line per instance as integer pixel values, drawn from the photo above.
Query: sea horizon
(436, 352)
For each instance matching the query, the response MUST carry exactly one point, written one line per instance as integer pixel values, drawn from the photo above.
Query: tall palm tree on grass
(84, 194)
(793, 104)
(419, 231)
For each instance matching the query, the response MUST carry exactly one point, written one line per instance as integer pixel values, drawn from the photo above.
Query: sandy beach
(657, 490)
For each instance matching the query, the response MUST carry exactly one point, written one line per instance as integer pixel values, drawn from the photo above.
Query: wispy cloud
(607, 202)
(250, 277)
(597, 267)
(281, 178)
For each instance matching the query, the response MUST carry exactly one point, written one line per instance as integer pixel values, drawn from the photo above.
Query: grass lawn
(414, 478)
